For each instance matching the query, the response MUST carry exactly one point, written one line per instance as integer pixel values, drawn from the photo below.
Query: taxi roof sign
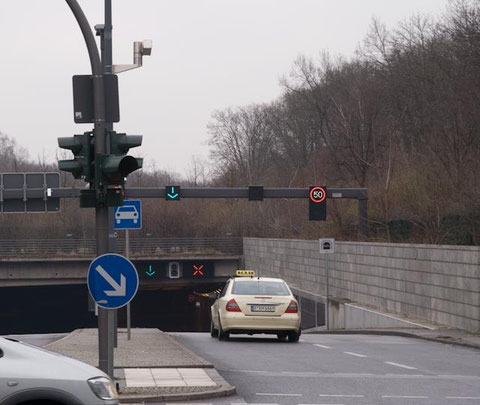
(245, 273)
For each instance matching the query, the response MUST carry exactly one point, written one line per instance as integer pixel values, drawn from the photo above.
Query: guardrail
(144, 247)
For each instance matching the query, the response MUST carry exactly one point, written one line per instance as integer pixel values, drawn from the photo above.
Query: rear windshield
(260, 287)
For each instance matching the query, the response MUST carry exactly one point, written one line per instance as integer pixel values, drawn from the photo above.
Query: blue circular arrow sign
(112, 281)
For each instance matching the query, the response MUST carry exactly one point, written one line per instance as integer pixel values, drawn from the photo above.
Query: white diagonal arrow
(119, 290)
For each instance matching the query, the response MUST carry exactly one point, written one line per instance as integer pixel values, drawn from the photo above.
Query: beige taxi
(250, 305)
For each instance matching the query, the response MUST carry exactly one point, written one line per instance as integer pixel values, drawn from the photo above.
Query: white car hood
(21, 360)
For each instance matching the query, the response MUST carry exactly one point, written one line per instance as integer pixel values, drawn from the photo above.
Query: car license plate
(262, 308)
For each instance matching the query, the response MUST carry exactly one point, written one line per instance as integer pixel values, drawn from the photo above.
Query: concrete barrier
(439, 284)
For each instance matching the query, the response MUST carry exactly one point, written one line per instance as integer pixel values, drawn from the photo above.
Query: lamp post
(107, 162)
(105, 341)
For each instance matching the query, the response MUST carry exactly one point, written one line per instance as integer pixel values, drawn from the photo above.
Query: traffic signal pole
(105, 343)
(105, 33)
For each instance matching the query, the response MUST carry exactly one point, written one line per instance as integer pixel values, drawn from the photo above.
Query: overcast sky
(207, 55)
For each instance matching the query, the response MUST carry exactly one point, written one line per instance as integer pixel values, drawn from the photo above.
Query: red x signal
(198, 270)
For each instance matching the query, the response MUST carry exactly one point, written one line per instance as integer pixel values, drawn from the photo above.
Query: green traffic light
(172, 193)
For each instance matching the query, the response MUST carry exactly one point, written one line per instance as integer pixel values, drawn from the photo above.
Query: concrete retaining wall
(440, 284)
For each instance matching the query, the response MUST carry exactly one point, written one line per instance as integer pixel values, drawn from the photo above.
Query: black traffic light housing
(105, 172)
(317, 203)
(255, 193)
(114, 167)
(82, 147)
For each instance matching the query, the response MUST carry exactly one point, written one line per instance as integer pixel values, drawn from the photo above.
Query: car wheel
(222, 335)
(282, 336)
(293, 337)
(213, 331)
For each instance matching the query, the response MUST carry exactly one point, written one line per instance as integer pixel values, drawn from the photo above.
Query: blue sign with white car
(129, 215)
(112, 281)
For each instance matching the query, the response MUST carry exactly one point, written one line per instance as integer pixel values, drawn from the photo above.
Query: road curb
(224, 390)
(448, 340)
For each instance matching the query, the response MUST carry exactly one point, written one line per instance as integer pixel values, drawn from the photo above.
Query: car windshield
(260, 287)
(127, 209)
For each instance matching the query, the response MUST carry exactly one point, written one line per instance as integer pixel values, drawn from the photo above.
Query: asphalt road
(341, 369)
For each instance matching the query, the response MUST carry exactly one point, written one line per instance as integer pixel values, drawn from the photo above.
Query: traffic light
(114, 167)
(172, 193)
(81, 166)
(317, 203)
(255, 193)
(174, 270)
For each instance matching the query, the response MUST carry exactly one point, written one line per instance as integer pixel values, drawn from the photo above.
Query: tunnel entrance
(63, 308)
(170, 311)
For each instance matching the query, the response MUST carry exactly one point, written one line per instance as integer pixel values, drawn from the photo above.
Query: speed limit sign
(318, 194)
(317, 203)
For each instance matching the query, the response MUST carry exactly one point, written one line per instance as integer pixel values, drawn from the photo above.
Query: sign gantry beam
(205, 192)
(360, 194)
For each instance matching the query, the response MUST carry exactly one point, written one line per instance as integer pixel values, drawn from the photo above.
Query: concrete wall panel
(437, 283)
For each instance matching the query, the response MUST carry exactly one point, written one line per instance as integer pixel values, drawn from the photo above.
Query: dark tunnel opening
(63, 308)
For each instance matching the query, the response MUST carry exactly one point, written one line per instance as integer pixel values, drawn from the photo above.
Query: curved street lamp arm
(87, 35)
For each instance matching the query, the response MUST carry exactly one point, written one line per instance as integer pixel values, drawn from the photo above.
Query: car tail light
(292, 308)
(232, 306)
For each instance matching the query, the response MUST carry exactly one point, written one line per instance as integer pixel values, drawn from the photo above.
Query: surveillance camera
(147, 47)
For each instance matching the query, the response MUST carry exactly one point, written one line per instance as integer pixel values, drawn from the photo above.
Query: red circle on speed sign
(318, 194)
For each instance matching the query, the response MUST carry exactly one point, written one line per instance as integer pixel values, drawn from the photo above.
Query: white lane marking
(300, 373)
(356, 374)
(462, 397)
(405, 396)
(322, 346)
(399, 365)
(313, 374)
(405, 375)
(277, 394)
(342, 395)
(355, 354)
